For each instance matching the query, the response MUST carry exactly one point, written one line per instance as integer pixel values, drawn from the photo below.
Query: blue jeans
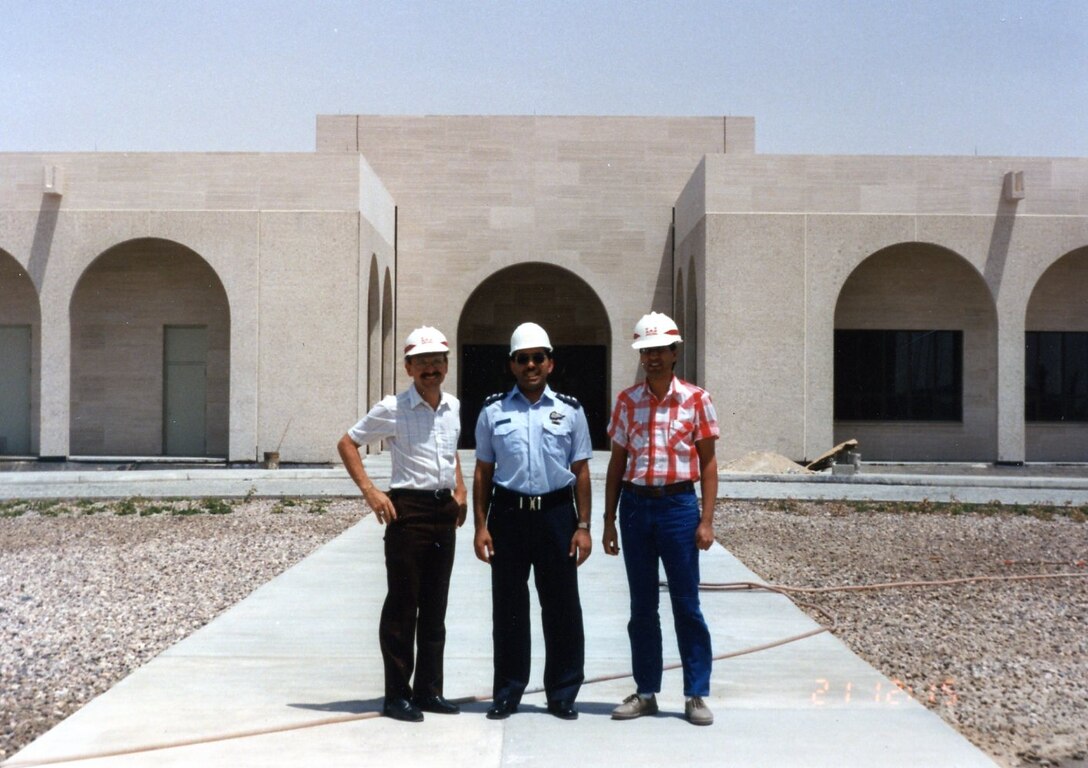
(664, 528)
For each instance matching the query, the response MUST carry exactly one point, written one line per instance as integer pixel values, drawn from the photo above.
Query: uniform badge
(556, 417)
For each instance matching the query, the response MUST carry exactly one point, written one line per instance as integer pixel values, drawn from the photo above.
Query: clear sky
(1005, 77)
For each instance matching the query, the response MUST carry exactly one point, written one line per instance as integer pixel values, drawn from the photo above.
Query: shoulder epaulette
(569, 400)
(494, 398)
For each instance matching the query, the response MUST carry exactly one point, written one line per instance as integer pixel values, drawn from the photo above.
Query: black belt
(440, 496)
(658, 491)
(508, 498)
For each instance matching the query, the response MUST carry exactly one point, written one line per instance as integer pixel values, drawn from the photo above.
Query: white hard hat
(655, 330)
(424, 340)
(529, 336)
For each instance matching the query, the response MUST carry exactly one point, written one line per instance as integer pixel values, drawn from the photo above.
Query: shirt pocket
(508, 441)
(446, 443)
(557, 437)
(504, 429)
(447, 434)
(679, 433)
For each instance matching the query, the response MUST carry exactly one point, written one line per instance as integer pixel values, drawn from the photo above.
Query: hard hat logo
(656, 330)
(424, 340)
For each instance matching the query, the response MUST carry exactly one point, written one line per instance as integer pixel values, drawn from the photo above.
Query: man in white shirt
(426, 503)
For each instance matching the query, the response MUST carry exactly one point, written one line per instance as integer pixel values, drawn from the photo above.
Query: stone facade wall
(804, 224)
(327, 260)
(285, 235)
(476, 195)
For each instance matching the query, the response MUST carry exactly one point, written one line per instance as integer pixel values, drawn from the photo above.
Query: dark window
(1056, 376)
(580, 371)
(898, 375)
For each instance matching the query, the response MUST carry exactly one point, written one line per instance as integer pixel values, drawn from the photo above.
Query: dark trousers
(419, 549)
(538, 539)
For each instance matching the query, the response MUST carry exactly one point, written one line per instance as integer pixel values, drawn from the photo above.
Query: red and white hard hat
(529, 336)
(655, 330)
(423, 340)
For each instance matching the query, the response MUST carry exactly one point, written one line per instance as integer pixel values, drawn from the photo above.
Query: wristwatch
(583, 526)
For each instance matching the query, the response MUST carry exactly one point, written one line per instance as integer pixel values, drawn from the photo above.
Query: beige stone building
(225, 305)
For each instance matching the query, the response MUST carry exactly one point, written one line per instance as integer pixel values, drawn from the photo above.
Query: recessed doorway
(576, 322)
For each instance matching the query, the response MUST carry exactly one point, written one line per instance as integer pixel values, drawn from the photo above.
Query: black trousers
(536, 539)
(419, 549)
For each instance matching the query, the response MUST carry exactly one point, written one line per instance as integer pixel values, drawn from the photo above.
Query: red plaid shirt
(660, 435)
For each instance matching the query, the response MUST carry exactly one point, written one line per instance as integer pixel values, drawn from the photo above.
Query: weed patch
(217, 507)
(126, 507)
(284, 504)
(14, 508)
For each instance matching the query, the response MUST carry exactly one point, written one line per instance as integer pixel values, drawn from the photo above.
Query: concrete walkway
(292, 674)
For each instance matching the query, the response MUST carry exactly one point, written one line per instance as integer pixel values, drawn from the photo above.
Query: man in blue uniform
(531, 508)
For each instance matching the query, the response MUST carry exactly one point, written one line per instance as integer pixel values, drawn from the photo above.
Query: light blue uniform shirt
(532, 445)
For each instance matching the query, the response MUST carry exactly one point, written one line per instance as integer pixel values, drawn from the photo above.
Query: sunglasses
(656, 350)
(525, 357)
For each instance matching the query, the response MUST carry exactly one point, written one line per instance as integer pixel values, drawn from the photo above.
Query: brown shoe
(635, 706)
(697, 712)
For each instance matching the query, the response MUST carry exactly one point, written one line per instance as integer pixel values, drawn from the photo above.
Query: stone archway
(389, 350)
(679, 314)
(916, 357)
(576, 322)
(1056, 364)
(20, 353)
(150, 325)
(373, 334)
(691, 330)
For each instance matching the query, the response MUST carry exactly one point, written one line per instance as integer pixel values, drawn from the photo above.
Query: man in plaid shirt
(663, 432)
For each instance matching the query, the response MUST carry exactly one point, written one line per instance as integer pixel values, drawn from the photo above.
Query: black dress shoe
(436, 704)
(402, 709)
(564, 710)
(501, 709)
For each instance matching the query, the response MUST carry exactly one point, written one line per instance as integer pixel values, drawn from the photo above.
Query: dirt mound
(764, 463)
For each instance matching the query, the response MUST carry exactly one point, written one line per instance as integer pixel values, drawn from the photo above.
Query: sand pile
(764, 463)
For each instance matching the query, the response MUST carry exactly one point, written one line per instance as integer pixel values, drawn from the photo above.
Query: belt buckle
(534, 503)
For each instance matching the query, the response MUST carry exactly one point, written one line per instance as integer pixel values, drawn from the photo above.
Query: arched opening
(1056, 362)
(679, 314)
(150, 326)
(576, 322)
(389, 356)
(915, 358)
(373, 334)
(20, 353)
(691, 331)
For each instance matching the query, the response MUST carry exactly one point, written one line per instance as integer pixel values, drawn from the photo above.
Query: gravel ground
(91, 591)
(1003, 661)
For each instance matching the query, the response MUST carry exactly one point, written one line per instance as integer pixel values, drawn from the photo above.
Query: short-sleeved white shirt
(421, 439)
